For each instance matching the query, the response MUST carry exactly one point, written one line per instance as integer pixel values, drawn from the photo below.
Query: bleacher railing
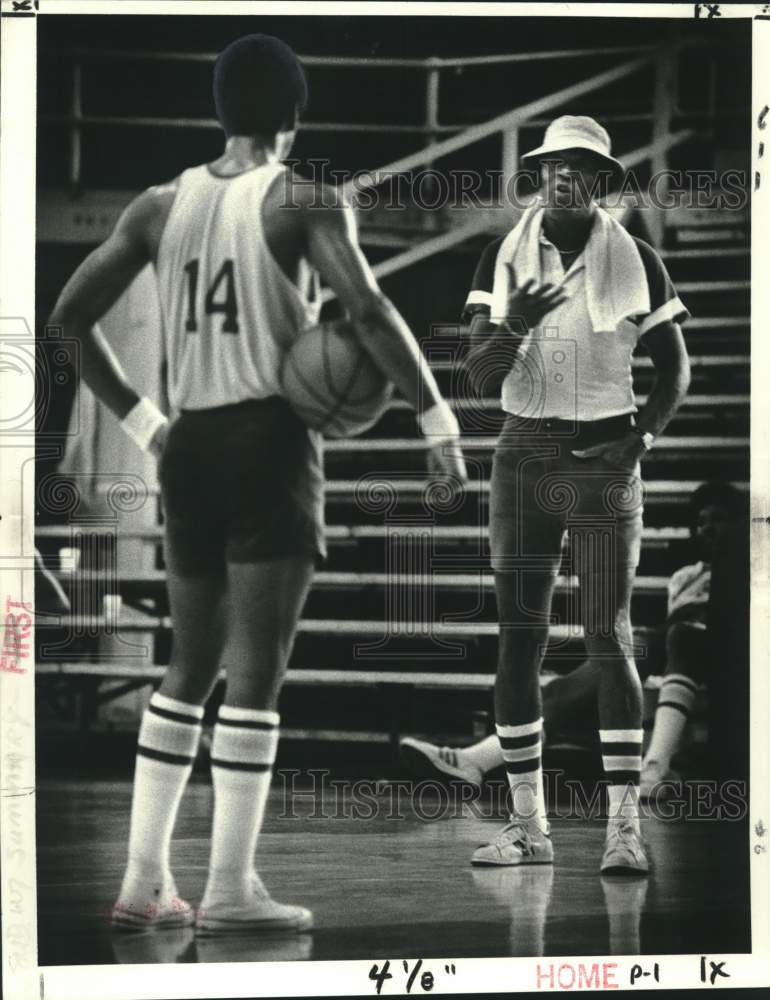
(432, 68)
(444, 137)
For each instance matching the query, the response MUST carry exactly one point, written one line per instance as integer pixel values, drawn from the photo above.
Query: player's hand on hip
(623, 453)
(446, 459)
(530, 303)
(158, 442)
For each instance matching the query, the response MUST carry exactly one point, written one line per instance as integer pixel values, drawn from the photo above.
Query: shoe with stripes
(624, 852)
(146, 905)
(656, 781)
(253, 912)
(441, 763)
(517, 843)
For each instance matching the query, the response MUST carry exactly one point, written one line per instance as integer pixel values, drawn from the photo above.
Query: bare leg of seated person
(567, 697)
(686, 654)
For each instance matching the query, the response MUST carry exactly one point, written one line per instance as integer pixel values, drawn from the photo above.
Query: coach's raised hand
(495, 341)
(529, 304)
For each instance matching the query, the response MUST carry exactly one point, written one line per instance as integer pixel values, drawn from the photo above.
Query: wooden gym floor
(386, 887)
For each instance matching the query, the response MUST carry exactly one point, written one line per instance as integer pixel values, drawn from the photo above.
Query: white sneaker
(654, 774)
(143, 903)
(624, 853)
(518, 843)
(444, 763)
(255, 911)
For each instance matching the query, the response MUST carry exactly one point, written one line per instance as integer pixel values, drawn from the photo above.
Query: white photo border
(23, 979)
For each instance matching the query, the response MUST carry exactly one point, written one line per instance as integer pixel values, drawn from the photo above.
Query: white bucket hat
(578, 132)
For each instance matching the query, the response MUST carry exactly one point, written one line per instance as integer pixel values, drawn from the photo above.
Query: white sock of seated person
(242, 756)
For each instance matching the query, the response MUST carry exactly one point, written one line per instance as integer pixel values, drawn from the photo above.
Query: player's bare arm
(332, 247)
(97, 284)
(94, 288)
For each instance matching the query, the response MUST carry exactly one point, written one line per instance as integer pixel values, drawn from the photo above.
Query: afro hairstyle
(259, 85)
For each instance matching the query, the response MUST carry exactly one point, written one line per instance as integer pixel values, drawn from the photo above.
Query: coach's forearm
(98, 366)
(386, 337)
(666, 397)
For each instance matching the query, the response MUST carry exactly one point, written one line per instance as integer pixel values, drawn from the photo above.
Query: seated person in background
(570, 698)
(713, 507)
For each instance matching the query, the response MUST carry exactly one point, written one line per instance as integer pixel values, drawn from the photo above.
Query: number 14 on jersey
(227, 303)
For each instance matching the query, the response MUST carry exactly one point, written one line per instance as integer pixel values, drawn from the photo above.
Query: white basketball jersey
(230, 313)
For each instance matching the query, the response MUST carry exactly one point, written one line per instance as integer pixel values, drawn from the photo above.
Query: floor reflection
(181, 945)
(526, 891)
(153, 945)
(624, 898)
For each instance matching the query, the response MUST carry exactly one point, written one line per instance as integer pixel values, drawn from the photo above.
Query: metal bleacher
(406, 604)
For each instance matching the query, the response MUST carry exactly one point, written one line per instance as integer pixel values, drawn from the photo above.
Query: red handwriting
(577, 976)
(16, 637)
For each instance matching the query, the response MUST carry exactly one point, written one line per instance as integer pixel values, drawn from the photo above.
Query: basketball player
(237, 251)
(558, 307)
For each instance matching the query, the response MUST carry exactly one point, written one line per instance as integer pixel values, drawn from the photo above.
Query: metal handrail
(212, 125)
(510, 119)
(506, 124)
(431, 66)
(367, 62)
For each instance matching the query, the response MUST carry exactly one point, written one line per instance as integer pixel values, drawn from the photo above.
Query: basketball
(332, 383)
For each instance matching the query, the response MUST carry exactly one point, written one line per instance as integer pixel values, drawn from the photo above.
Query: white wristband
(142, 421)
(439, 423)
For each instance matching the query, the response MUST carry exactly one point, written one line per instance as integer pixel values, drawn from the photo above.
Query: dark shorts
(241, 483)
(539, 490)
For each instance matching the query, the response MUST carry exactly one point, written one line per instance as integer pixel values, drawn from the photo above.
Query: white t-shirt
(689, 586)
(565, 369)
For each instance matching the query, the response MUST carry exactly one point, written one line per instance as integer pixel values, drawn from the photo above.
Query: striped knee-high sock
(168, 742)
(522, 751)
(242, 756)
(675, 704)
(622, 759)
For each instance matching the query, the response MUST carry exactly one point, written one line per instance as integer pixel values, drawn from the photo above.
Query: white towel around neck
(616, 282)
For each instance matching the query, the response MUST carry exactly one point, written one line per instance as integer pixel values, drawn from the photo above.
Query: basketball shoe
(248, 909)
(150, 904)
(624, 852)
(442, 763)
(518, 843)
